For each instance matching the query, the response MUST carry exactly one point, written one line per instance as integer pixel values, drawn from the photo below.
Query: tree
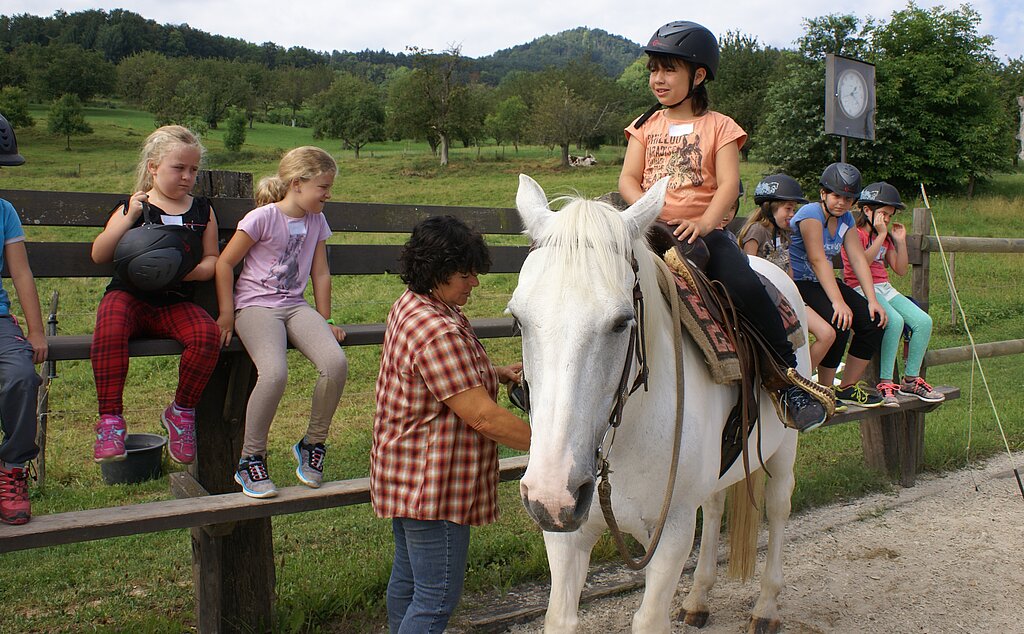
(438, 84)
(634, 84)
(1011, 79)
(14, 106)
(136, 74)
(509, 121)
(351, 110)
(234, 136)
(71, 69)
(740, 87)
(940, 120)
(560, 117)
(66, 118)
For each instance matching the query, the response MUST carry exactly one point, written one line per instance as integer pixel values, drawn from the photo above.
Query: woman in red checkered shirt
(434, 463)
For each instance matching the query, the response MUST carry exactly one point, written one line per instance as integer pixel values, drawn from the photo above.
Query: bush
(234, 137)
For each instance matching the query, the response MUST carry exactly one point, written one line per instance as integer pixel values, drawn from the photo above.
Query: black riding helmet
(880, 194)
(687, 41)
(778, 187)
(842, 179)
(9, 156)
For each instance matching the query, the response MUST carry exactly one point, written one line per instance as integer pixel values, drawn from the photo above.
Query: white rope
(974, 352)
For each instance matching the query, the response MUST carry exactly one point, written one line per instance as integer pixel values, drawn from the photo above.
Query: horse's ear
(532, 203)
(643, 212)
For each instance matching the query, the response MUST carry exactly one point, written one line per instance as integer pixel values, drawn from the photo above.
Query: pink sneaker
(109, 445)
(181, 433)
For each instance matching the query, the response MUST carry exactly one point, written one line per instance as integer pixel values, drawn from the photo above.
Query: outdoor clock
(852, 93)
(849, 98)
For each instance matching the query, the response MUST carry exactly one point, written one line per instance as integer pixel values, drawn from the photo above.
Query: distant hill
(611, 52)
(119, 33)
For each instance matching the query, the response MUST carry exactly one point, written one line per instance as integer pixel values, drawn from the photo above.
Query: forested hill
(118, 34)
(613, 53)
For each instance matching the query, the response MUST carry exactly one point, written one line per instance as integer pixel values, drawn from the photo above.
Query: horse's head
(574, 303)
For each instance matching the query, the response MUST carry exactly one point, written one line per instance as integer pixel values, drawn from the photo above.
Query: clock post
(849, 99)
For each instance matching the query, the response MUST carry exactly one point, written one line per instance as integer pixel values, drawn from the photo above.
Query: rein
(638, 346)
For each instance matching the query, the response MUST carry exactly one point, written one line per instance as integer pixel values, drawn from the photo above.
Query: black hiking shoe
(803, 412)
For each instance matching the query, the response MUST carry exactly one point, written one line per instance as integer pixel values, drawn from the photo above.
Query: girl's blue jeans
(427, 575)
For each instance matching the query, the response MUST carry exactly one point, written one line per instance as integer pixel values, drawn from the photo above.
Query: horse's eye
(622, 325)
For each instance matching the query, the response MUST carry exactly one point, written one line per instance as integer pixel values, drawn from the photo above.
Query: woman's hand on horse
(510, 373)
(842, 315)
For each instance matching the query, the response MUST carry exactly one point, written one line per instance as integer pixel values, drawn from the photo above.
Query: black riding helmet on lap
(778, 187)
(9, 156)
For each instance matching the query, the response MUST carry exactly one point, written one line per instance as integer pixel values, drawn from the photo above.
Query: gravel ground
(943, 556)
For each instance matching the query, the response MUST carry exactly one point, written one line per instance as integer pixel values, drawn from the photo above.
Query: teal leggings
(900, 311)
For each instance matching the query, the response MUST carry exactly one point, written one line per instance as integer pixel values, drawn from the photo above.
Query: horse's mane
(589, 243)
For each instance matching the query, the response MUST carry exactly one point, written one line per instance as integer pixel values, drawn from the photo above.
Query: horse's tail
(744, 521)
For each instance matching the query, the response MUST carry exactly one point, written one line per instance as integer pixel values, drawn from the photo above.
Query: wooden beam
(946, 356)
(149, 517)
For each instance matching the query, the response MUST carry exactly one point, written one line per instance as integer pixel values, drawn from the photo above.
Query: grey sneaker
(919, 387)
(887, 390)
(252, 474)
(802, 410)
(311, 462)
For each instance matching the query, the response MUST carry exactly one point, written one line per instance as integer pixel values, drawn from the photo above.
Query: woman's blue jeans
(426, 578)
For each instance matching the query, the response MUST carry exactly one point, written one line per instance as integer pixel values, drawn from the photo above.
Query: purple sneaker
(109, 445)
(181, 433)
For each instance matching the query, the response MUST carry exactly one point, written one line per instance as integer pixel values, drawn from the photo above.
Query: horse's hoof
(764, 626)
(695, 619)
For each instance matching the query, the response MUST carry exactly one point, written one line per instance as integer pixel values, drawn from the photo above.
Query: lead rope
(604, 489)
(974, 352)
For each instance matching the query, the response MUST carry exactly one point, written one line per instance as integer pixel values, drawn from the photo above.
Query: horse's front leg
(568, 559)
(778, 492)
(695, 605)
(662, 577)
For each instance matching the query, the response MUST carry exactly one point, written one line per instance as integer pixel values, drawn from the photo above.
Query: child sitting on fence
(879, 203)
(151, 293)
(19, 383)
(766, 234)
(283, 243)
(820, 231)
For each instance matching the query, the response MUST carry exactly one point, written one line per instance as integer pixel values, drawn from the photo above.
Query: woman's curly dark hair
(439, 247)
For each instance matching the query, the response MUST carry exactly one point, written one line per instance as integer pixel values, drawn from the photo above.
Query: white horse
(575, 305)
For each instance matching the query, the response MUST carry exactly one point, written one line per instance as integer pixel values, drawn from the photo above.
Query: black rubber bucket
(144, 461)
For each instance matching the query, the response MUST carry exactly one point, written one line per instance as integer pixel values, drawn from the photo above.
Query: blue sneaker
(252, 474)
(311, 462)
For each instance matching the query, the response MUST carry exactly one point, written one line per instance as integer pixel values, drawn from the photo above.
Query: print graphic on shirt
(285, 270)
(684, 165)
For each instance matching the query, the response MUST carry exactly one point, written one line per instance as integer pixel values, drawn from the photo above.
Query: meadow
(333, 565)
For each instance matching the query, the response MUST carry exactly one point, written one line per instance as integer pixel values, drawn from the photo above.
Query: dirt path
(939, 557)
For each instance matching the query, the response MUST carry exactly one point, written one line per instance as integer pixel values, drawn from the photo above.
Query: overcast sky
(481, 27)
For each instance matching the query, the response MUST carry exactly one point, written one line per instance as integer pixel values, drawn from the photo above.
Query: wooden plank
(856, 413)
(958, 354)
(73, 259)
(963, 244)
(79, 526)
(88, 209)
(76, 347)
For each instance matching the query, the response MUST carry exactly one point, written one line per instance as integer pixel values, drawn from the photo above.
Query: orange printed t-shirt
(685, 150)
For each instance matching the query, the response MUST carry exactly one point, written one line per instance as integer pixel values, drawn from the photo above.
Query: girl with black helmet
(767, 235)
(699, 150)
(19, 383)
(883, 246)
(820, 231)
(166, 174)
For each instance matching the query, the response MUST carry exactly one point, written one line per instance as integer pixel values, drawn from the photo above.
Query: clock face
(852, 92)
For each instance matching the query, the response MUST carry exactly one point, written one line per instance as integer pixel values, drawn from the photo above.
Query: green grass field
(332, 566)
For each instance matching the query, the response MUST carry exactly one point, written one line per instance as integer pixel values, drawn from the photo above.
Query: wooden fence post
(232, 566)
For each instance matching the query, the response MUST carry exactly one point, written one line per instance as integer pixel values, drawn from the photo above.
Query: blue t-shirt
(833, 242)
(10, 232)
